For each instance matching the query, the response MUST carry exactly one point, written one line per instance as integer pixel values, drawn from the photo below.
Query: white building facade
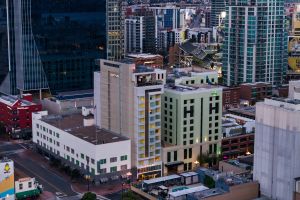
(277, 148)
(83, 147)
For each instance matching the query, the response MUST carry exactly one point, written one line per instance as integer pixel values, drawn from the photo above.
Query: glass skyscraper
(53, 44)
(115, 29)
(217, 6)
(255, 47)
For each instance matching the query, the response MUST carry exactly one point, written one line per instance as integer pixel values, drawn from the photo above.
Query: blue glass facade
(255, 47)
(54, 44)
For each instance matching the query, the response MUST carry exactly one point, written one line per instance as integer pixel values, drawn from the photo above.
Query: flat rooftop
(207, 193)
(143, 55)
(10, 100)
(285, 100)
(188, 88)
(73, 124)
(74, 95)
(244, 111)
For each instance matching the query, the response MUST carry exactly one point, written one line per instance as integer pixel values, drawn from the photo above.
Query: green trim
(26, 194)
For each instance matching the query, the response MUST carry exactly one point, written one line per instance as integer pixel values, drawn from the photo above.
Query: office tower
(255, 47)
(166, 39)
(40, 58)
(129, 103)
(115, 29)
(148, 22)
(167, 16)
(191, 123)
(217, 6)
(3, 43)
(277, 146)
(134, 35)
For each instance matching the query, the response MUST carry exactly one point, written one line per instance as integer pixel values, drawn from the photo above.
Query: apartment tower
(128, 102)
(255, 47)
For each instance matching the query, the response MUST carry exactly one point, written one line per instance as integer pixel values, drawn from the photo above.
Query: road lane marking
(41, 178)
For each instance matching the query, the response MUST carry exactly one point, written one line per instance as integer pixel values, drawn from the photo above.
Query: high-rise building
(134, 35)
(38, 56)
(191, 124)
(147, 20)
(128, 102)
(277, 146)
(217, 7)
(115, 29)
(255, 47)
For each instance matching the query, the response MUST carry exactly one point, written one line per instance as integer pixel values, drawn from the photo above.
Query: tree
(89, 196)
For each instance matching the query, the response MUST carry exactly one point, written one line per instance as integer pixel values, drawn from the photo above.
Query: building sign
(294, 53)
(7, 181)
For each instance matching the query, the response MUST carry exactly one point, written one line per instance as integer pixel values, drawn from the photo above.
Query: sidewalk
(79, 186)
(100, 189)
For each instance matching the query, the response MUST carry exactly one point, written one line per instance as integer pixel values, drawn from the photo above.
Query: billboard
(7, 180)
(294, 53)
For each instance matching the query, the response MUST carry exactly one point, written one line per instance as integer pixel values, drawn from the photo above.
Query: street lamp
(196, 164)
(129, 175)
(88, 177)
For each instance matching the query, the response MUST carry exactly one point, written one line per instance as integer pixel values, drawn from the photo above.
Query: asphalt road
(50, 181)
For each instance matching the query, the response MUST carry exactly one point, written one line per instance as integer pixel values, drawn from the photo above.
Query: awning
(173, 164)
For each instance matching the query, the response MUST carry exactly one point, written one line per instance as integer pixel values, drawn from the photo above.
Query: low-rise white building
(78, 143)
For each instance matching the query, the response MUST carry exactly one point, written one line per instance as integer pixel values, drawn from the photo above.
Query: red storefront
(15, 114)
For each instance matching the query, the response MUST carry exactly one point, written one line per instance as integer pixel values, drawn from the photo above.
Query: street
(51, 181)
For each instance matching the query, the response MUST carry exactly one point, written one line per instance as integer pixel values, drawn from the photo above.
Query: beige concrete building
(128, 102)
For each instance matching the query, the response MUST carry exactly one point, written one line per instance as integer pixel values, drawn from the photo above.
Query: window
(191, 128)
(57, 135)
(102, 171)
(169, 157)
(191, 141)
(175, 155)
(21, 186)
(184, 136)
(191, 121)
(113, 159)
(192, 100)
(190, 152)
(102, 161)
(124, 157)
(82, 155)
(185, 154)
(113, 169)
(123, 167)
(184, 122)
(185, 101)
(29, 184)
(190, 166)
(216, 137)
(184, 142)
